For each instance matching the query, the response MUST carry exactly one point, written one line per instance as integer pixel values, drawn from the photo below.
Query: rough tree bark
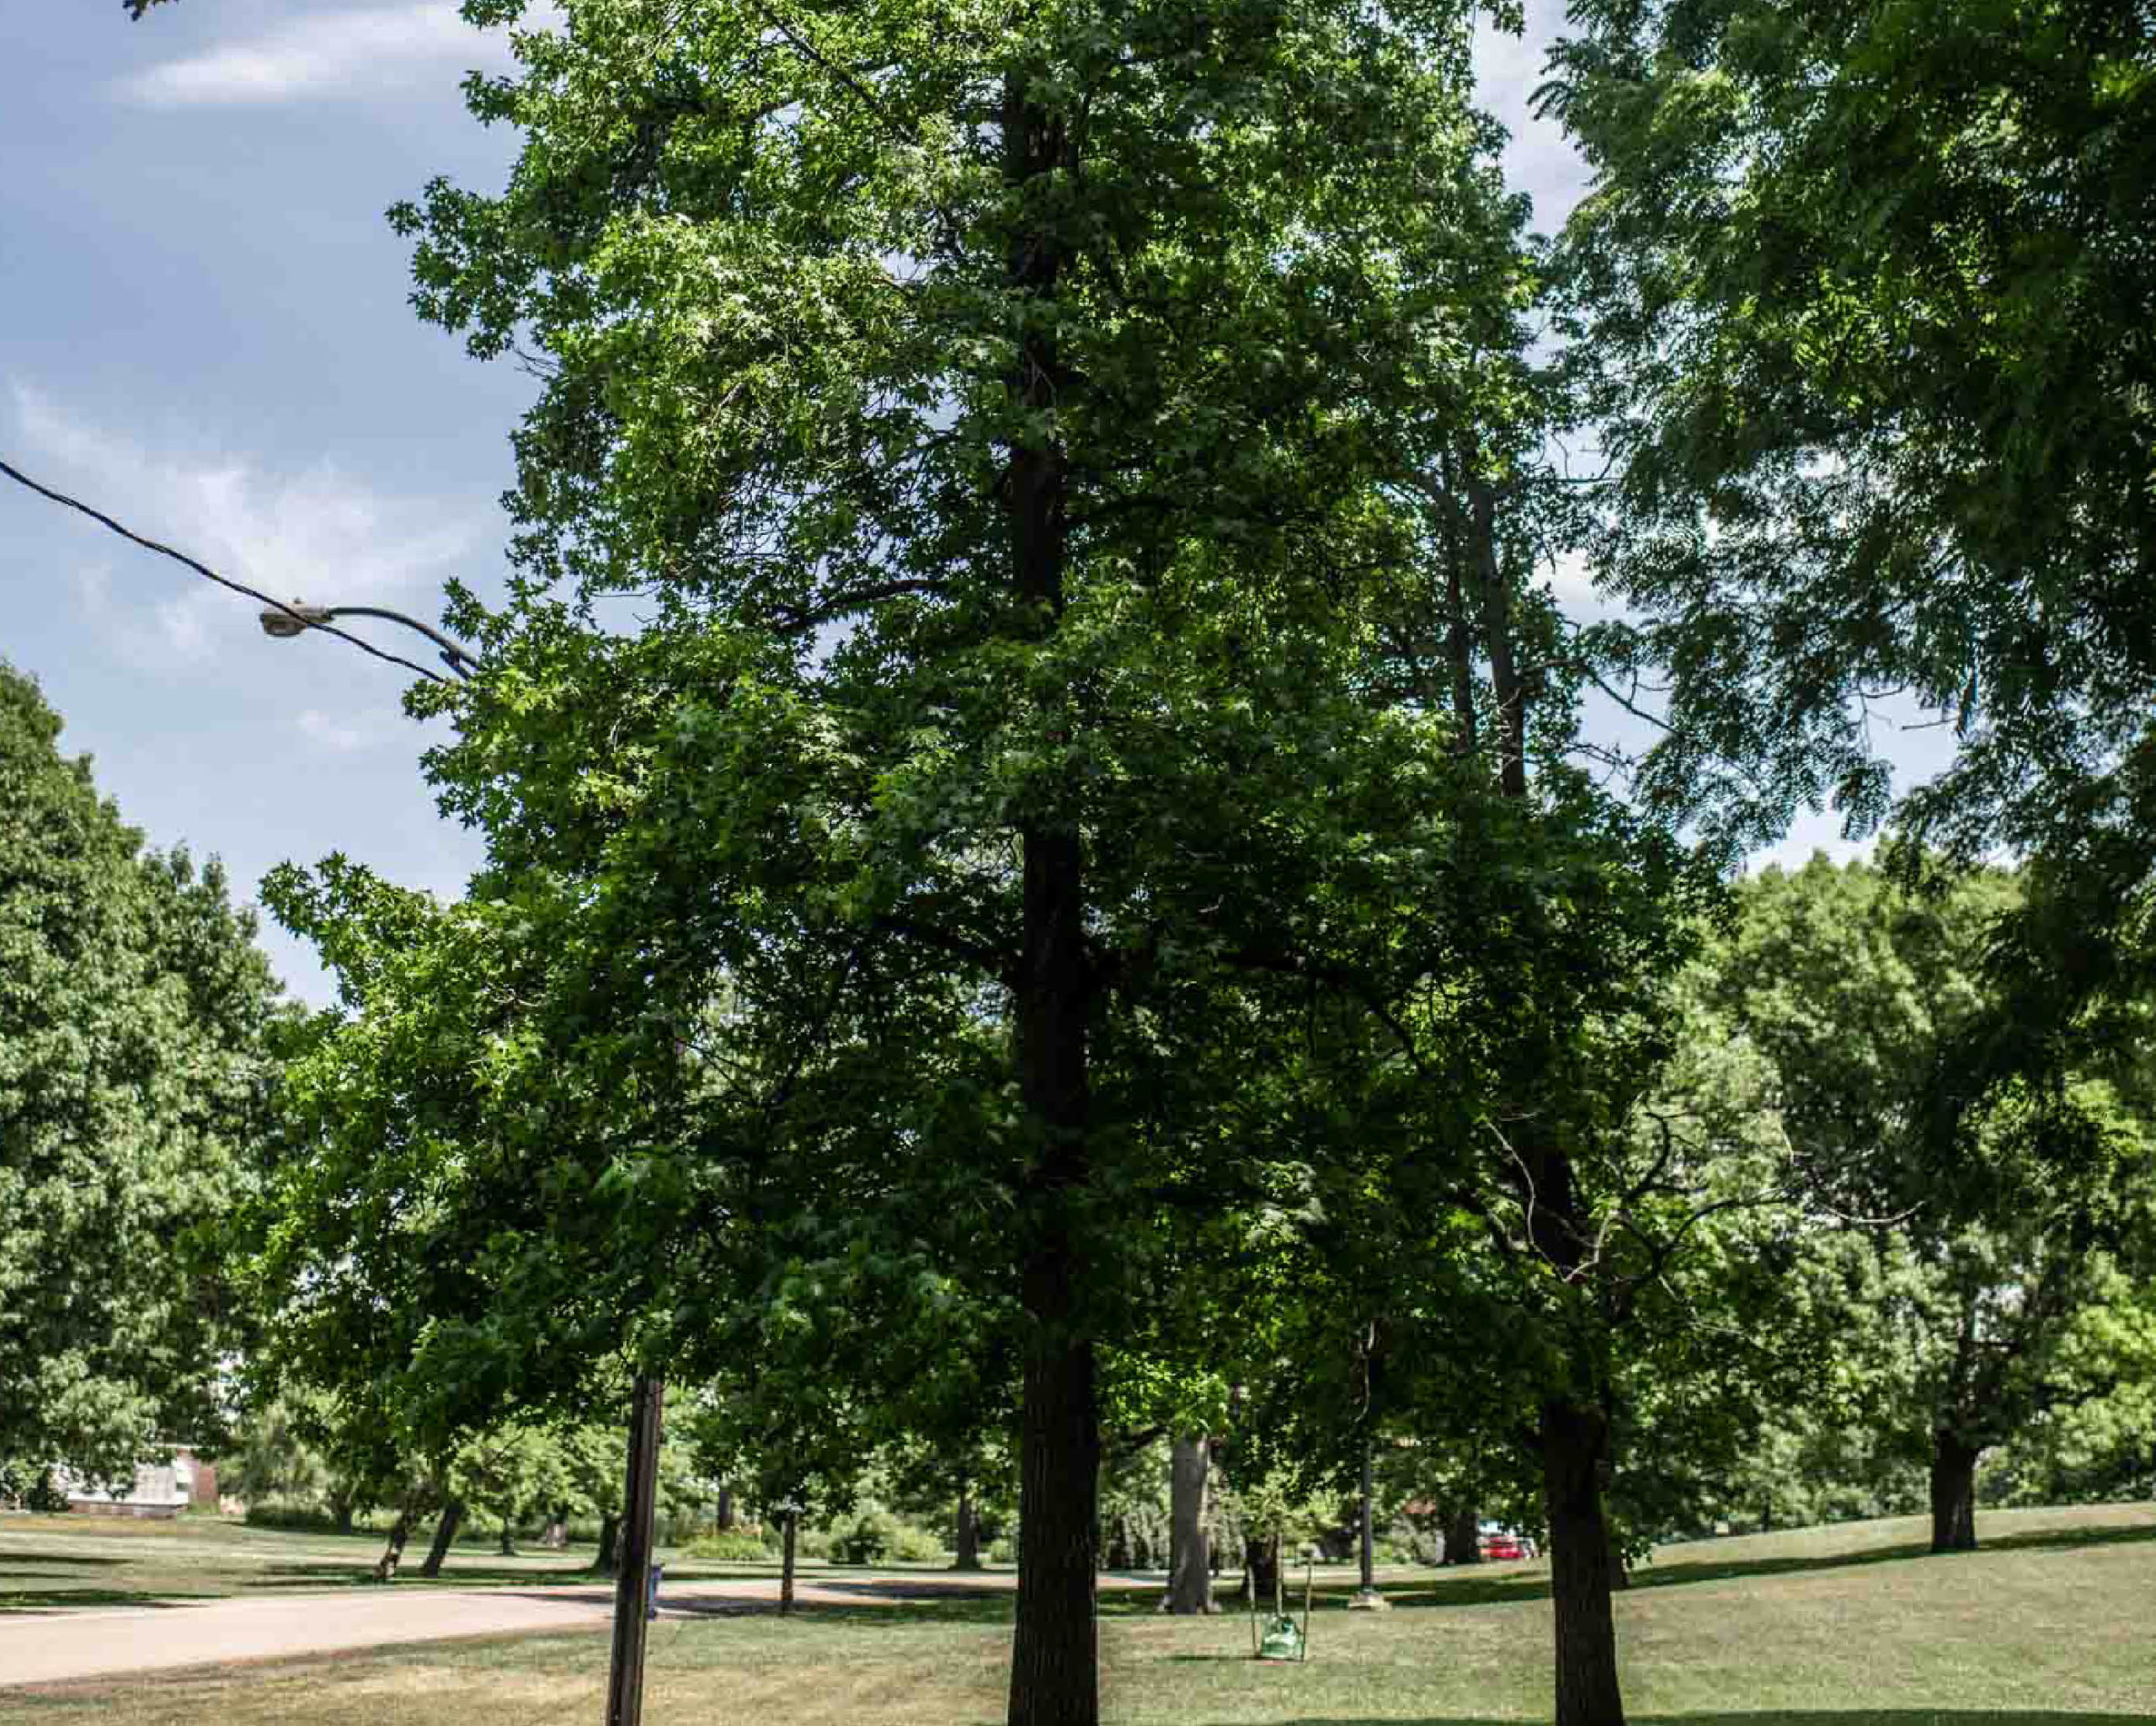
(606, 1559)
(1573, 1439)
(1054, 1679)
(1463, 1536)
(967, 1555)
(1953, 1494)
(392, 1555)
(1190, 1569)
(452, 1515)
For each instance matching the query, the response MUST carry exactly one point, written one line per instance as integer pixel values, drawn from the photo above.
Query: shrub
(864, 1537)
(914, 1545)
(733, 1546)
(309, 1519)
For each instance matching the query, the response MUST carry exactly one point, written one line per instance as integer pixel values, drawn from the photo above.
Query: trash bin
(651, 1591)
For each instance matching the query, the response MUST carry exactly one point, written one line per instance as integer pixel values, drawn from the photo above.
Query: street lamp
(286, 622)
(632, 1598)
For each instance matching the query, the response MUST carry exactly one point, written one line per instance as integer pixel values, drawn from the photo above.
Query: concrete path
(53, 1647)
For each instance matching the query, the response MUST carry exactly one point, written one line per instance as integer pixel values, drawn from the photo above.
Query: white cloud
(327, 54)
(346, 735)
(316, 534)
(1540, 159)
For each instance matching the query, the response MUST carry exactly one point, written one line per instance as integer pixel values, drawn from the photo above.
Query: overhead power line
(210, 575)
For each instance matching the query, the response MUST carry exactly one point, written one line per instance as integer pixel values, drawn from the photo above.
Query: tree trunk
(341, 1507)
(385, 1566)
(1463, 1536)
(1498, 640)
(605, 1562)
(968, 1542)
(1190, 1568)
(452, 1514)
(725, 1509)
(1573, 1438)
(509, 1539)
(1054, 1679)
(1953, 1494)
(786, 1564)
(1262, 1567)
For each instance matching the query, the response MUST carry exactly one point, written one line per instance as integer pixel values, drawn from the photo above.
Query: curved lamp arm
(297, 619)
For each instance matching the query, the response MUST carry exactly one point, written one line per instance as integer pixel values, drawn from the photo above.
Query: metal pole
(1369, 1551)
(625, 1677)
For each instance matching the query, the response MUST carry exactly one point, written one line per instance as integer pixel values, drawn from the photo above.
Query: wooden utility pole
(625, 1677)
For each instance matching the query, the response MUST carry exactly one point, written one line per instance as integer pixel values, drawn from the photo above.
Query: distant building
(160, 1489)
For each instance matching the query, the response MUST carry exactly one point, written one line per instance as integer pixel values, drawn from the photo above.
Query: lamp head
(286, 624)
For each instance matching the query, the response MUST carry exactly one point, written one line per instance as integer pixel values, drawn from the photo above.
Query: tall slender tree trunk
(1574, 1442)
(1498, 640)
(605, 1560)
(1190, 1568)
(1463, 1536)
(1262, 1566)
(509, 1539)
(446, 1527)
(1054, 1680)
(1953, 1494)
(968, 1542)
(725, 1509)
(392, 1555)
(786, 1564)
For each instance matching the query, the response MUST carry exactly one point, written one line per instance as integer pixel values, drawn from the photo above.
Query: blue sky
(206, 336)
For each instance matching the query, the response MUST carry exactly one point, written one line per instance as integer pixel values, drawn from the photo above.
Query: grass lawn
(1840, 1626)
(47, 1561)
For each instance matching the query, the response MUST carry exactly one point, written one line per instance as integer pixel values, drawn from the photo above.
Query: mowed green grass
(48, 1561)
(2052, 1623)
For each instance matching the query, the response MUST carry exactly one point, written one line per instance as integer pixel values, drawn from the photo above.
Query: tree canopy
(136, 1071)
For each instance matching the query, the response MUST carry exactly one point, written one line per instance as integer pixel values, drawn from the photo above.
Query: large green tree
(135, 1069)
(1883, 432)
(1982, 1297)
(987, 402)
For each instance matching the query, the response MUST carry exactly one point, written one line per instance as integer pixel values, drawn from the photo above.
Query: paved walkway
(53, 1647)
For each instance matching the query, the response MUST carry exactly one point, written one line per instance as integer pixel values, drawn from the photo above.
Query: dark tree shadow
(1534, 1584)
(23, 1561)
(33, 1600)
(1777, 1717)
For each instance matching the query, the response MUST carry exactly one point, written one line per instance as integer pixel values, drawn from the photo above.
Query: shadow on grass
(1774, 1716)
(29, 1600)
(2047, 1539)
(1458, 1590)
(334, 1575)
(24, 1561)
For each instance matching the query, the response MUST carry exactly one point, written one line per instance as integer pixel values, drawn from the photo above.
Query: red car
(1498, 1541)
